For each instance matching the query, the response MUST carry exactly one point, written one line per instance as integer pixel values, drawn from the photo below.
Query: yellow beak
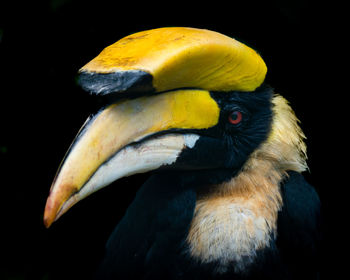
(105, 149)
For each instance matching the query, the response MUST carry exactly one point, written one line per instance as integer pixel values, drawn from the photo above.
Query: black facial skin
(223, 149)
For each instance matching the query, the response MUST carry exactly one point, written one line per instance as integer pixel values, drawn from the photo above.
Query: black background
(42, 46)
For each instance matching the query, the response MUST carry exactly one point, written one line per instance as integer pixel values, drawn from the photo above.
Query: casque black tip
(102, 84)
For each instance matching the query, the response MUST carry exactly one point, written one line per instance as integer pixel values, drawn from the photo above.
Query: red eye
(235, 117)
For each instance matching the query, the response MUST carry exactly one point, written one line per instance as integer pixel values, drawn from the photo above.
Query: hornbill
(226, 198)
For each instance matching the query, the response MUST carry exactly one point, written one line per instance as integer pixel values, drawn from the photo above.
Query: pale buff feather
(239, 217)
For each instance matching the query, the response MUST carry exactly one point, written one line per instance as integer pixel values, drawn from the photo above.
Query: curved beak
(125, 139)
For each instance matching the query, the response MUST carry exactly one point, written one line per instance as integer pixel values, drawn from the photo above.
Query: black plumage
(149, 242)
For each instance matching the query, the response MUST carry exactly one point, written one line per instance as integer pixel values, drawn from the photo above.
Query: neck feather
(235, 219)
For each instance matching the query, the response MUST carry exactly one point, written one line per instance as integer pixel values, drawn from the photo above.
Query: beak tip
(47, 222)
(49, 213)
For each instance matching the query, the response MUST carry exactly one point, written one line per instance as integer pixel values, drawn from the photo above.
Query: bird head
(180, 99)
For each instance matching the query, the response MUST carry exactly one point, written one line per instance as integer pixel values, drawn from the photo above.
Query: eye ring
(235, 117)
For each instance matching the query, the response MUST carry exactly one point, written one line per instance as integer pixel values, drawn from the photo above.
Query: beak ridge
(111, 145)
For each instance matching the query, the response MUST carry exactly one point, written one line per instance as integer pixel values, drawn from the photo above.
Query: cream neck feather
(239, 217)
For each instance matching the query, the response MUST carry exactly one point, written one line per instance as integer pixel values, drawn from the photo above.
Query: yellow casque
(179, 57)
